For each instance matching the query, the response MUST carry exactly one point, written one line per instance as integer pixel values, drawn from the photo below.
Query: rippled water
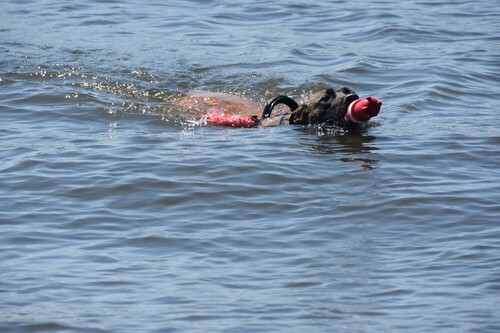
(119, 217)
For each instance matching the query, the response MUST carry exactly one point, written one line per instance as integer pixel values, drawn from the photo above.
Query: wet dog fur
(324, 107)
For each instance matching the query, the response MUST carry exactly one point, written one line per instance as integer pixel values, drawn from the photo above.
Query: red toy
(218, 117)
(361, 110)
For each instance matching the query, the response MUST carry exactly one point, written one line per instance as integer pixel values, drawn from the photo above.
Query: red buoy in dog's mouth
(361, 110)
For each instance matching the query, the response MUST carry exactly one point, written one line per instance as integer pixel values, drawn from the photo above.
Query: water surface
(117, 216)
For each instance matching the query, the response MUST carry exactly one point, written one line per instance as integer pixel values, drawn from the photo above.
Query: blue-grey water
(116, 215)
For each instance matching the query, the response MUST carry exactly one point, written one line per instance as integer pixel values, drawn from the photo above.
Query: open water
(117, 216)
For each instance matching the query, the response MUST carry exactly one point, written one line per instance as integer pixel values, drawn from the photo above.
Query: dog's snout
(351, 98)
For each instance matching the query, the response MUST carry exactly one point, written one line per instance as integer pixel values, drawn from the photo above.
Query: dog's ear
(300, 116)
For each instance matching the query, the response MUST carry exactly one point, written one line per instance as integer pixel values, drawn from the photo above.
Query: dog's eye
(325, 98)
(345, 90)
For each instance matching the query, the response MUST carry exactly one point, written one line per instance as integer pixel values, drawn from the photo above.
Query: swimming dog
(340, 107)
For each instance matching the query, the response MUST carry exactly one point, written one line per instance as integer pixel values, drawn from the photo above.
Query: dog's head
(326, 106)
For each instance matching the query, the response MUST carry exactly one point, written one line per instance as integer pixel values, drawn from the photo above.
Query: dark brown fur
(327, 106)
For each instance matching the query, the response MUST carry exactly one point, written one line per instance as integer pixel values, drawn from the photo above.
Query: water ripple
(117, 215)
